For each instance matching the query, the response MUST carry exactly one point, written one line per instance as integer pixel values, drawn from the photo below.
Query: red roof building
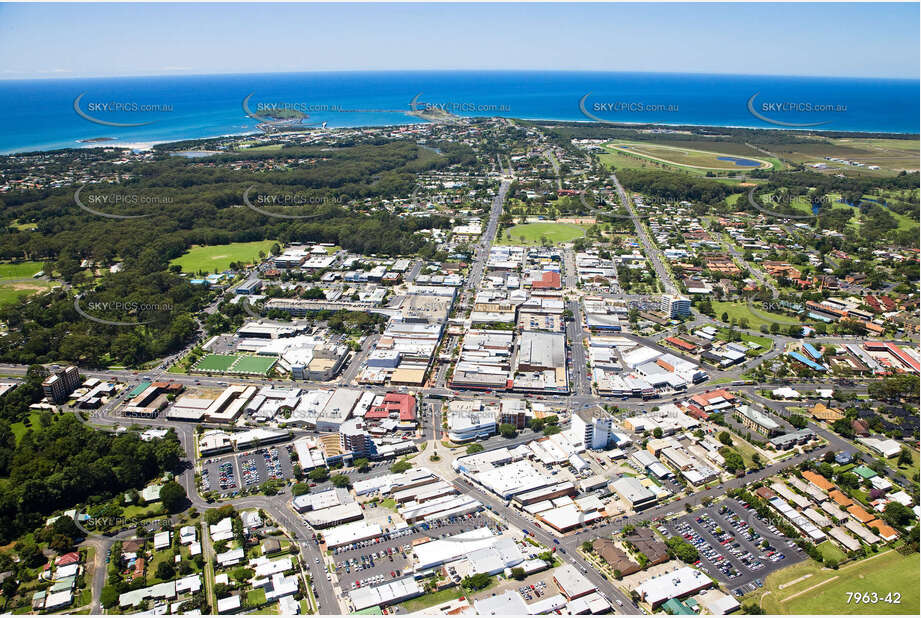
(549, 281)
(873, 304)
(394, 405)
(681, 344)
(860, 427)
(68, 558)
(697, 413)
(702, 405)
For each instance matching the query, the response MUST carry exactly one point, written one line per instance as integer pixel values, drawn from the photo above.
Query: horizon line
(63, 77)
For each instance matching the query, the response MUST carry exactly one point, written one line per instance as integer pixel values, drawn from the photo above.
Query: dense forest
(671, 186)
(49, 327)
(182, 202)
(63, 462)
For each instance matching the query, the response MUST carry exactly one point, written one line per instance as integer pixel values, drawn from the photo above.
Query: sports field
(253, 364)
(219, 257)
(531, 233)
(10, 292)
(234, 363)
(808, 588)
(16, 281)
(215, 362)
(19, 270)
(690, 158)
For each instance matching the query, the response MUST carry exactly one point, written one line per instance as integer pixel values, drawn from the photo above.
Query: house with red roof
(66, 559)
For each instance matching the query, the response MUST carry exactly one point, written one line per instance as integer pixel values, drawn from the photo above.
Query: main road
(652, 251)
(489, 235)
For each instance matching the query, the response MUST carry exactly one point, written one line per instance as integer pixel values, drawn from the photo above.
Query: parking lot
(538, 590)
(363, 563)
(729, 539)
(232, 473)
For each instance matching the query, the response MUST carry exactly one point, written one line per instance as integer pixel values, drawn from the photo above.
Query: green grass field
(830, 551)
(219, 257)
(254, 364)
(160, 556)
(764, 342)
(433, 598)
(531, 233)
(265, 148)
(910, 469)
(12, 286)
(746, 450)
(255, 596)
(142, 512)
(233, 363)
(215, 362)
(824, 591)
(620, 161)
(741, 310)
(19, 270)
(19, 429)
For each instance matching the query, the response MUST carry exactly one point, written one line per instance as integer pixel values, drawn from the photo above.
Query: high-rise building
(61, 383)
(355, 439)
(591, 427)
(675, 306)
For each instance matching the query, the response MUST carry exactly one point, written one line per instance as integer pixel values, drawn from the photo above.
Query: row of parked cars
(706, 550)
(368, 581)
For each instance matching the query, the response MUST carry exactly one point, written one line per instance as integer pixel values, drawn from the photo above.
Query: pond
(741, 162)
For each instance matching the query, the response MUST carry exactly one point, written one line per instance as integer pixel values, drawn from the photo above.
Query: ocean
(41, 114)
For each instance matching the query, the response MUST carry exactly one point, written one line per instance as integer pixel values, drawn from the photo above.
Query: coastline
(419, 119)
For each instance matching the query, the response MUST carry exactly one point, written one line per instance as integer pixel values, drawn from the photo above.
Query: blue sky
(859, 40)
